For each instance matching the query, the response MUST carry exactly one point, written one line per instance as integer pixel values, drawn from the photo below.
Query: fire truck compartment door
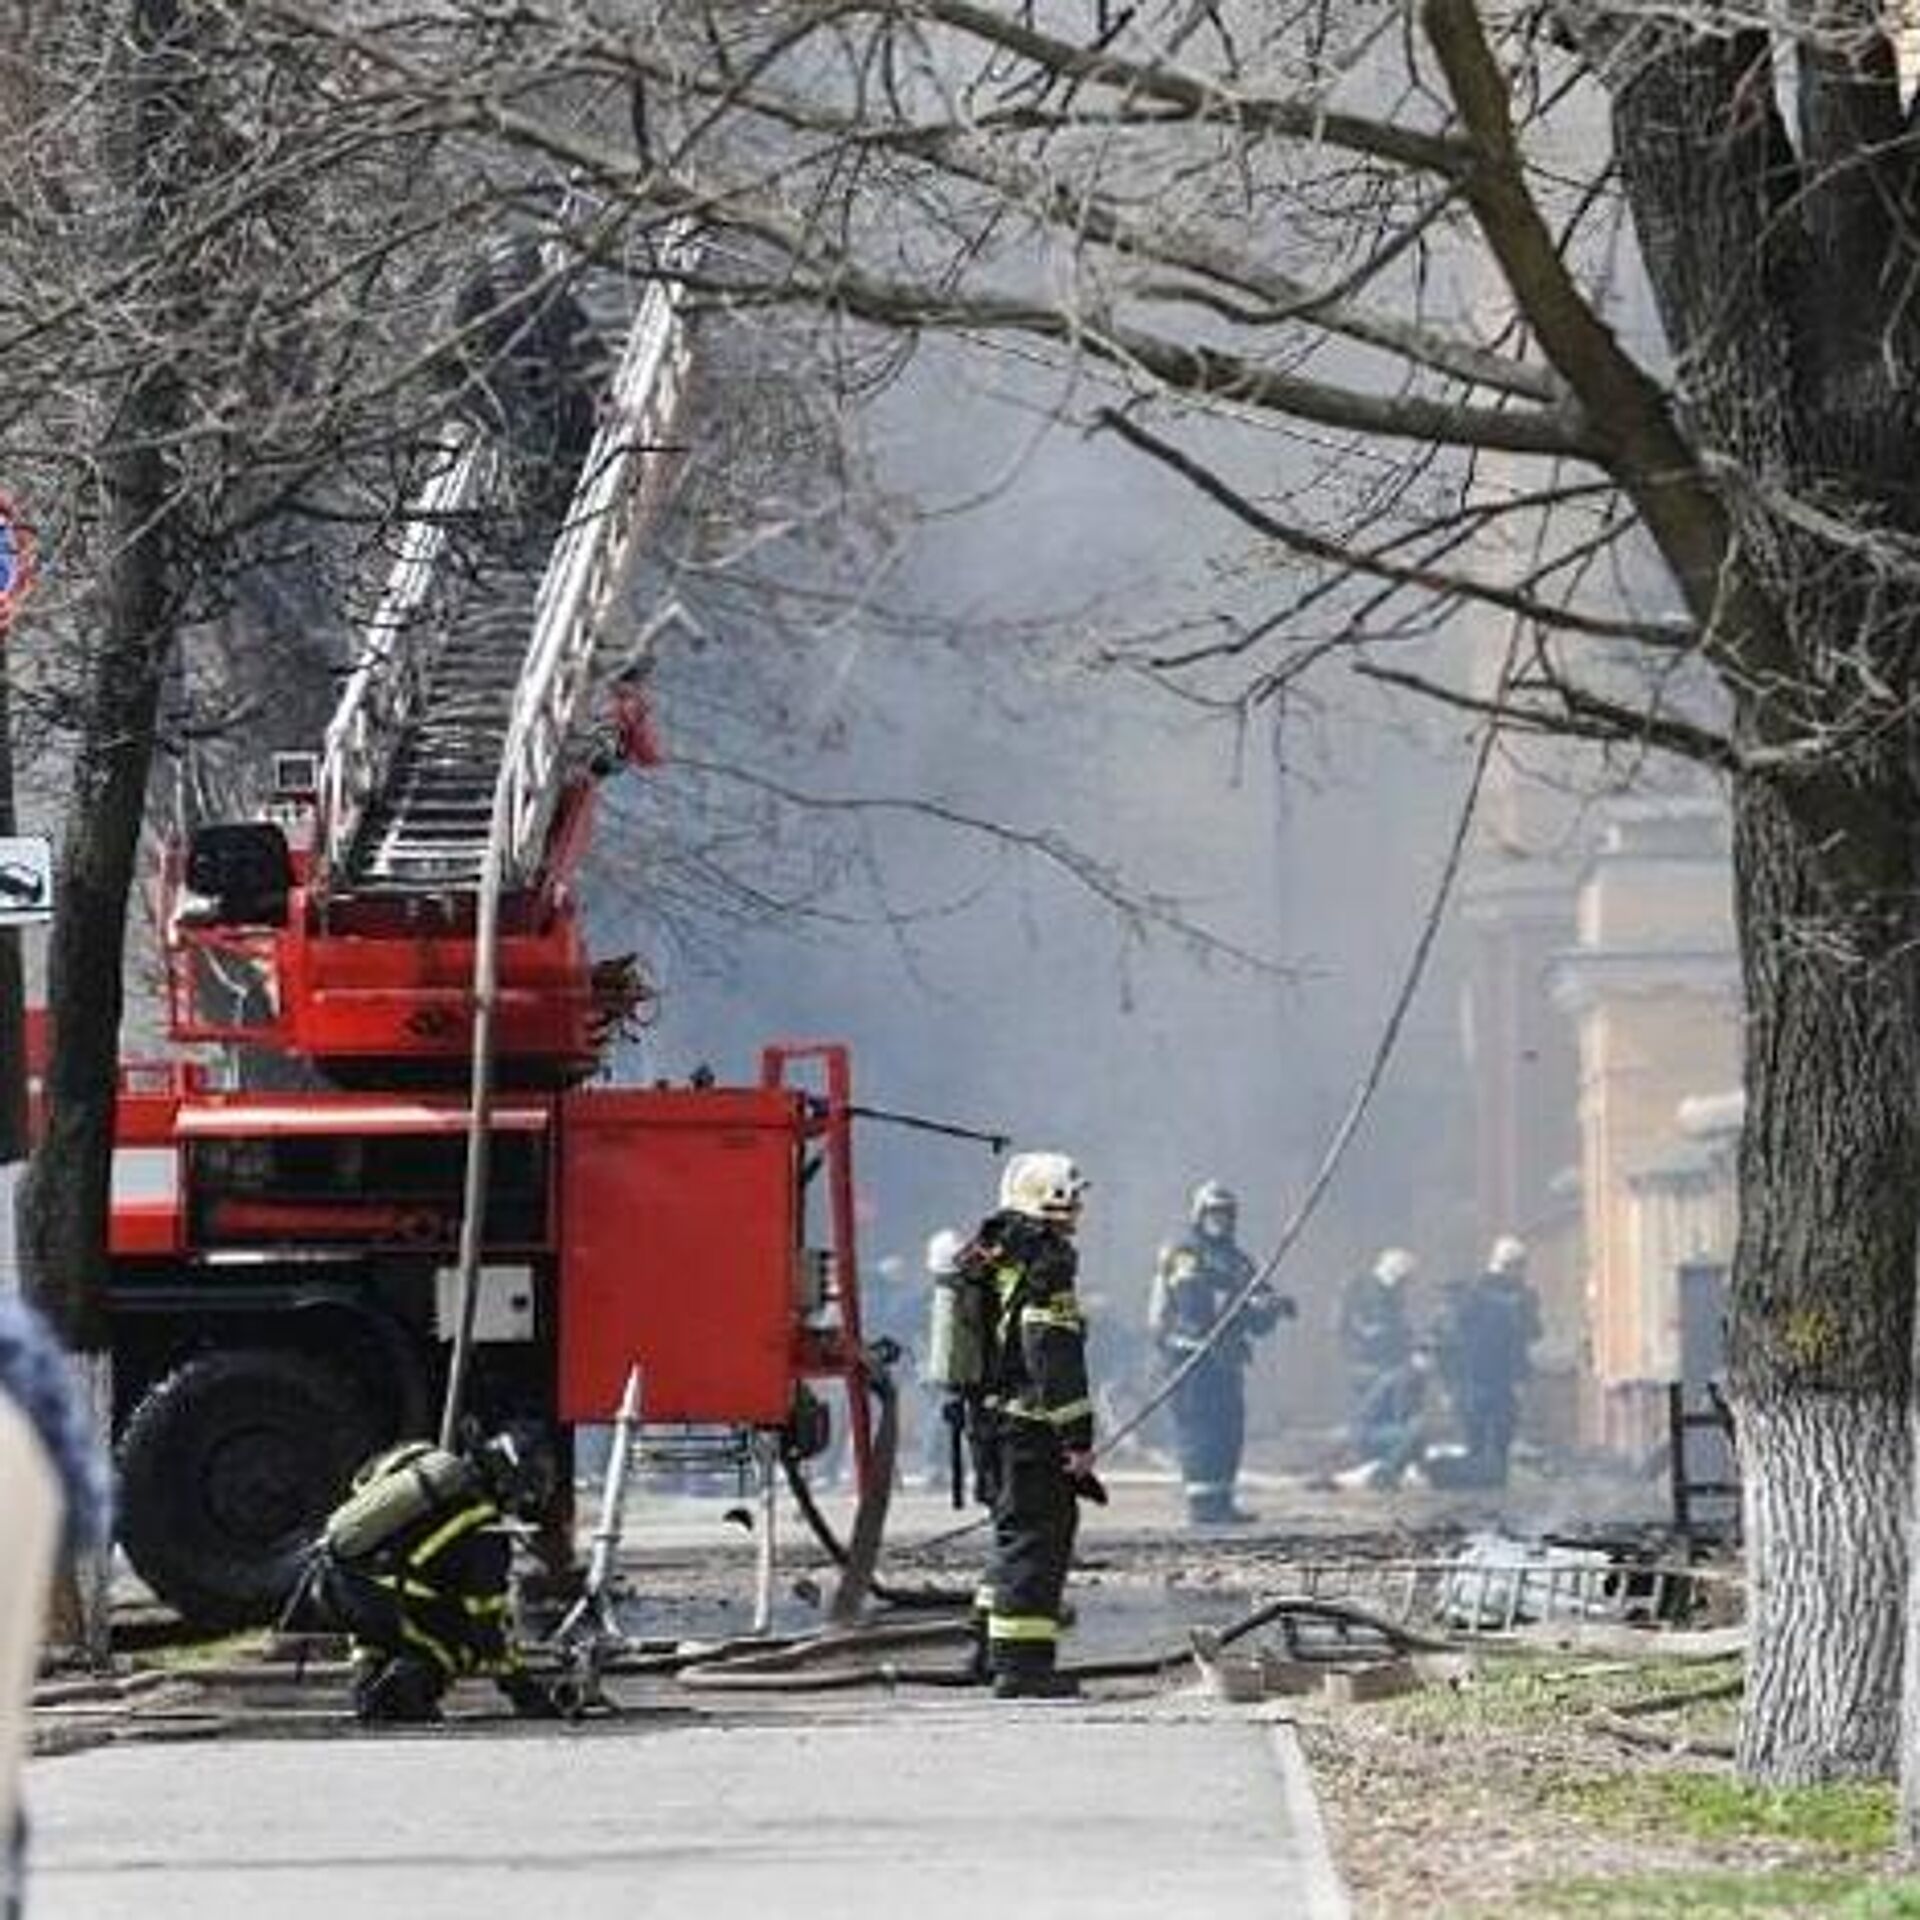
(678, 1227)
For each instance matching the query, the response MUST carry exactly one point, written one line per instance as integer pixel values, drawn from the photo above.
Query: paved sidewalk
(946, 1810)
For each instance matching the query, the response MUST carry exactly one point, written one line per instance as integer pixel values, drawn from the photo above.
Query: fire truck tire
(227, 1468)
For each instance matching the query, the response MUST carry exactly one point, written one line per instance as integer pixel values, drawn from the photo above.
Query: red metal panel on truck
(679, 1251)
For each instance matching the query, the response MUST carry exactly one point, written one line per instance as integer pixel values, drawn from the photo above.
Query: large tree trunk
(64, 1200)
(1769, 246)
(1822, 1305)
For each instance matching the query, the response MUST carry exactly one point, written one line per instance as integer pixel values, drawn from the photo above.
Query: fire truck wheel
(227, 1468)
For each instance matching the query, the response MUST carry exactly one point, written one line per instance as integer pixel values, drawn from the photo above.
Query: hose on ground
(776, 1670)
(836, 1549)
(862, 1556)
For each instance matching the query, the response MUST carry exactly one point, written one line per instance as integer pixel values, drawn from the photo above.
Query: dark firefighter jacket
(420, 1527)
(1037, 1353)
(1374, 1329)
(1192, 1285)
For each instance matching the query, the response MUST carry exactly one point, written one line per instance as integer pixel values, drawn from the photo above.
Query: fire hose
(780, 1669)
(886, 1446)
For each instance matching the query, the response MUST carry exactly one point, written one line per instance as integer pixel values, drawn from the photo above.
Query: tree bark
(1821, 1314)
(1748, 239)
(64, 1198)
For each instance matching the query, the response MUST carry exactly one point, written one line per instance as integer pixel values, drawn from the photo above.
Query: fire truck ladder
(625, 474)
(446, 720)
(391, 686)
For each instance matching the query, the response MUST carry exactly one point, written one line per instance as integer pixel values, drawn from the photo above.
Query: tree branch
(1093, 216)
(1585, 716)
(1628, 412)
(833, 279)
(1332, 553)
(1138, 910)
(1300, 119)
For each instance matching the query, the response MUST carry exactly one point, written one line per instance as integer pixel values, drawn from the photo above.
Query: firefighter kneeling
(1015, 1356)
(415, 1565)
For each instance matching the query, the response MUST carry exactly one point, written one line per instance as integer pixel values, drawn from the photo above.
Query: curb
(1324, 1898)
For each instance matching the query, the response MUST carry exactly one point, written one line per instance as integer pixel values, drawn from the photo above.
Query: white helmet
(1508, 1255)
(1043, 1186)
(1211, 1197)
(944, 1249)
(1394, 1265)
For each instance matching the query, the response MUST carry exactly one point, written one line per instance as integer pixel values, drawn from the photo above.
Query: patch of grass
(184, 1655)
(1831, 1896)
(1524, 1695)
(1851, 1817)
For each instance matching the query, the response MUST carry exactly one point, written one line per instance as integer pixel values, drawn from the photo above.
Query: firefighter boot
(532, 1699)
(1026, 1671)
(979, 1668)
(1041, 1683)
(397, 1692)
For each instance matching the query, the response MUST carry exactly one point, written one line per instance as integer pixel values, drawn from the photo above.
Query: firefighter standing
(1031, 1420)
(415, 1565)
(1376, 1339)
(1194, 1287)
(1488, 1327)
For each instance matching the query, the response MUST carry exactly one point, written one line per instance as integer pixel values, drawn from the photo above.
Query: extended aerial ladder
(404, 936)
(474, 683)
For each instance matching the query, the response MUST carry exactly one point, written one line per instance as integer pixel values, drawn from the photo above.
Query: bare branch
(1330, 553)
(1299, 119)
(1628, 412)
(1582, 716)
(1138, 910)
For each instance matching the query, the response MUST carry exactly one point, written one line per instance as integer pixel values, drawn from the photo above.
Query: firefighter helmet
(944, 1250)
(1043, 1186)
(1508, 1255)
(1212, 1201)
(518, 1468)
(1394, 1265)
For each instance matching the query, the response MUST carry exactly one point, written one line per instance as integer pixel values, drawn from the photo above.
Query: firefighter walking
(1195, 1285)
(1029, 1416)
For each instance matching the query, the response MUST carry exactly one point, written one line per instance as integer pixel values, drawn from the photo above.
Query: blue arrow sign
(9, 557)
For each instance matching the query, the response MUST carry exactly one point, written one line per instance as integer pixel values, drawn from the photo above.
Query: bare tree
(1361, 277)
(229, 335)
(1401, 242)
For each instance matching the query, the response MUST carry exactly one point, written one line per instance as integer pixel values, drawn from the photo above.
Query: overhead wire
(1358, 1104)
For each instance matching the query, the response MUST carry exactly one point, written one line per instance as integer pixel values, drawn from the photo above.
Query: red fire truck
(288, 1269)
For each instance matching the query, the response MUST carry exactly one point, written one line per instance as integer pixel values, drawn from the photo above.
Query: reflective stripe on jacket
(1039, 1360)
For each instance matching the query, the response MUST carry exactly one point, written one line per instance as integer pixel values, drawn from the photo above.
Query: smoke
(979, 982)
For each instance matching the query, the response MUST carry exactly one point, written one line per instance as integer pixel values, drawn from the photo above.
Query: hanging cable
(1357, 1107)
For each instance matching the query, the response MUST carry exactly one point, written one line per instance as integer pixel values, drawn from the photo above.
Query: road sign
(26, 881)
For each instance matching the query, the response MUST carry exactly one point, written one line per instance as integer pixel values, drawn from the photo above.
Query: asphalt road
(943, 1809)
